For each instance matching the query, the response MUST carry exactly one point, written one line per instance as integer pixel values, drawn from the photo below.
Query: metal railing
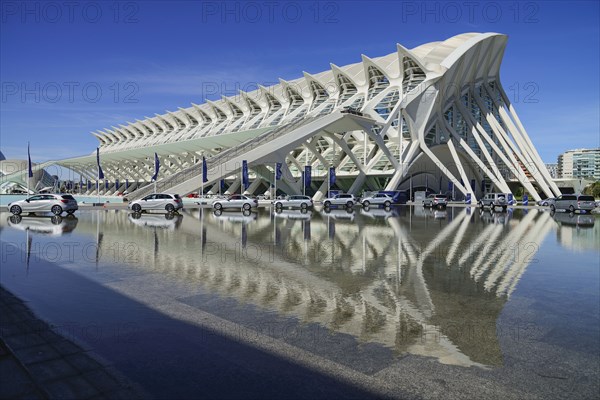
(224, 156)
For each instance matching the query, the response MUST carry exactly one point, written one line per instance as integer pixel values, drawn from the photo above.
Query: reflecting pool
(400, 302)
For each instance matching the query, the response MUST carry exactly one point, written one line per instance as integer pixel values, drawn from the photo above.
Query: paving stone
(83, 362)
(31, 355)
(103, 381)
(73, 388)
(50, 336)
(52, 370)
(32, 395)
(17, 342)
(64, 347)
(13, 378)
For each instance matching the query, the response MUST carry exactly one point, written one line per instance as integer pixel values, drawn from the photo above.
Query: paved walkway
(37, 363)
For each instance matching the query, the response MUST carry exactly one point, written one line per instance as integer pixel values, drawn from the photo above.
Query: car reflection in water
(572, 219)
(168, 221)
(302, 215)
(339, 213)
(244, 216)
(53, 226)
(492, 217)
(378, 212)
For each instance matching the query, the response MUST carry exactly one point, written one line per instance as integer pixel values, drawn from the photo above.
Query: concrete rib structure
(434, 117)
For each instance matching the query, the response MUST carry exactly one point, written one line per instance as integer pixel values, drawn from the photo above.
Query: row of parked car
(59, 203)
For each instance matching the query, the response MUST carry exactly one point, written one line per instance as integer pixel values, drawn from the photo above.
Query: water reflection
(53, 226)
(419, 281)
(169, 221)
(577, 231)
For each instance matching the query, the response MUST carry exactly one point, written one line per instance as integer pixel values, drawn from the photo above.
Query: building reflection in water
(413, 280)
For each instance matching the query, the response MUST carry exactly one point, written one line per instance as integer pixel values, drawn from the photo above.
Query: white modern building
(14, 177)
(433, 117)
(579, 164)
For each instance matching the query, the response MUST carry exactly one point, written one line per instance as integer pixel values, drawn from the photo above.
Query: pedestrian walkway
(38, 363)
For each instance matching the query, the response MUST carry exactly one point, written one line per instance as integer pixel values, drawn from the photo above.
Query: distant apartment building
(552, 170)
(580, 163)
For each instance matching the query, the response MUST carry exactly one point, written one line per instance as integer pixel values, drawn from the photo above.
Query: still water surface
(505, 293)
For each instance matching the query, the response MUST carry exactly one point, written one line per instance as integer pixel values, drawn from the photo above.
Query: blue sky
(71, 68)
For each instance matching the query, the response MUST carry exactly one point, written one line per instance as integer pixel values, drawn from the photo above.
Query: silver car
(158, 202)
(573, 202)
(236, 201)
(54, 203)
(295, 201)
(436, 200)
(546, 202)
(347, 200)
(378, 199)
(493, 200)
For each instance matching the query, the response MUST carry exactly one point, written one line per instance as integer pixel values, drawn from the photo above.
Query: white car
(295, 201)
(378, 199)
(54, 203)
(343, 199)
(157, 201)
(236, 201)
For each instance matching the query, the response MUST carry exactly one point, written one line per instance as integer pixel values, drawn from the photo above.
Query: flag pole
(28, 171)
(329, 182)
(275, 182)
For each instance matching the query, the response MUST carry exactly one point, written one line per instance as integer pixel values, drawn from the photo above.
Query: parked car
(235, 201)
(54, 203)
(573, 202)
(157, 201)
(295, 201)
(342, 199)
(436, 200)
(378, 199)
(493, 200)
(546, 202)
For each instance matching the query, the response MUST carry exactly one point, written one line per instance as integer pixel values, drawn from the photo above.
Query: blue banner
(468, 198)
(100, 173)
(116, 184)
(204, 170)
(450, 185)
(156, 167)
(525, 200)
(30, 171)
(245, 180)
(331, 176)
(278, 171)
(307, 175)
(222, 185)
(483, 186)
(126, 184)
(89, 184)
(473, 184)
